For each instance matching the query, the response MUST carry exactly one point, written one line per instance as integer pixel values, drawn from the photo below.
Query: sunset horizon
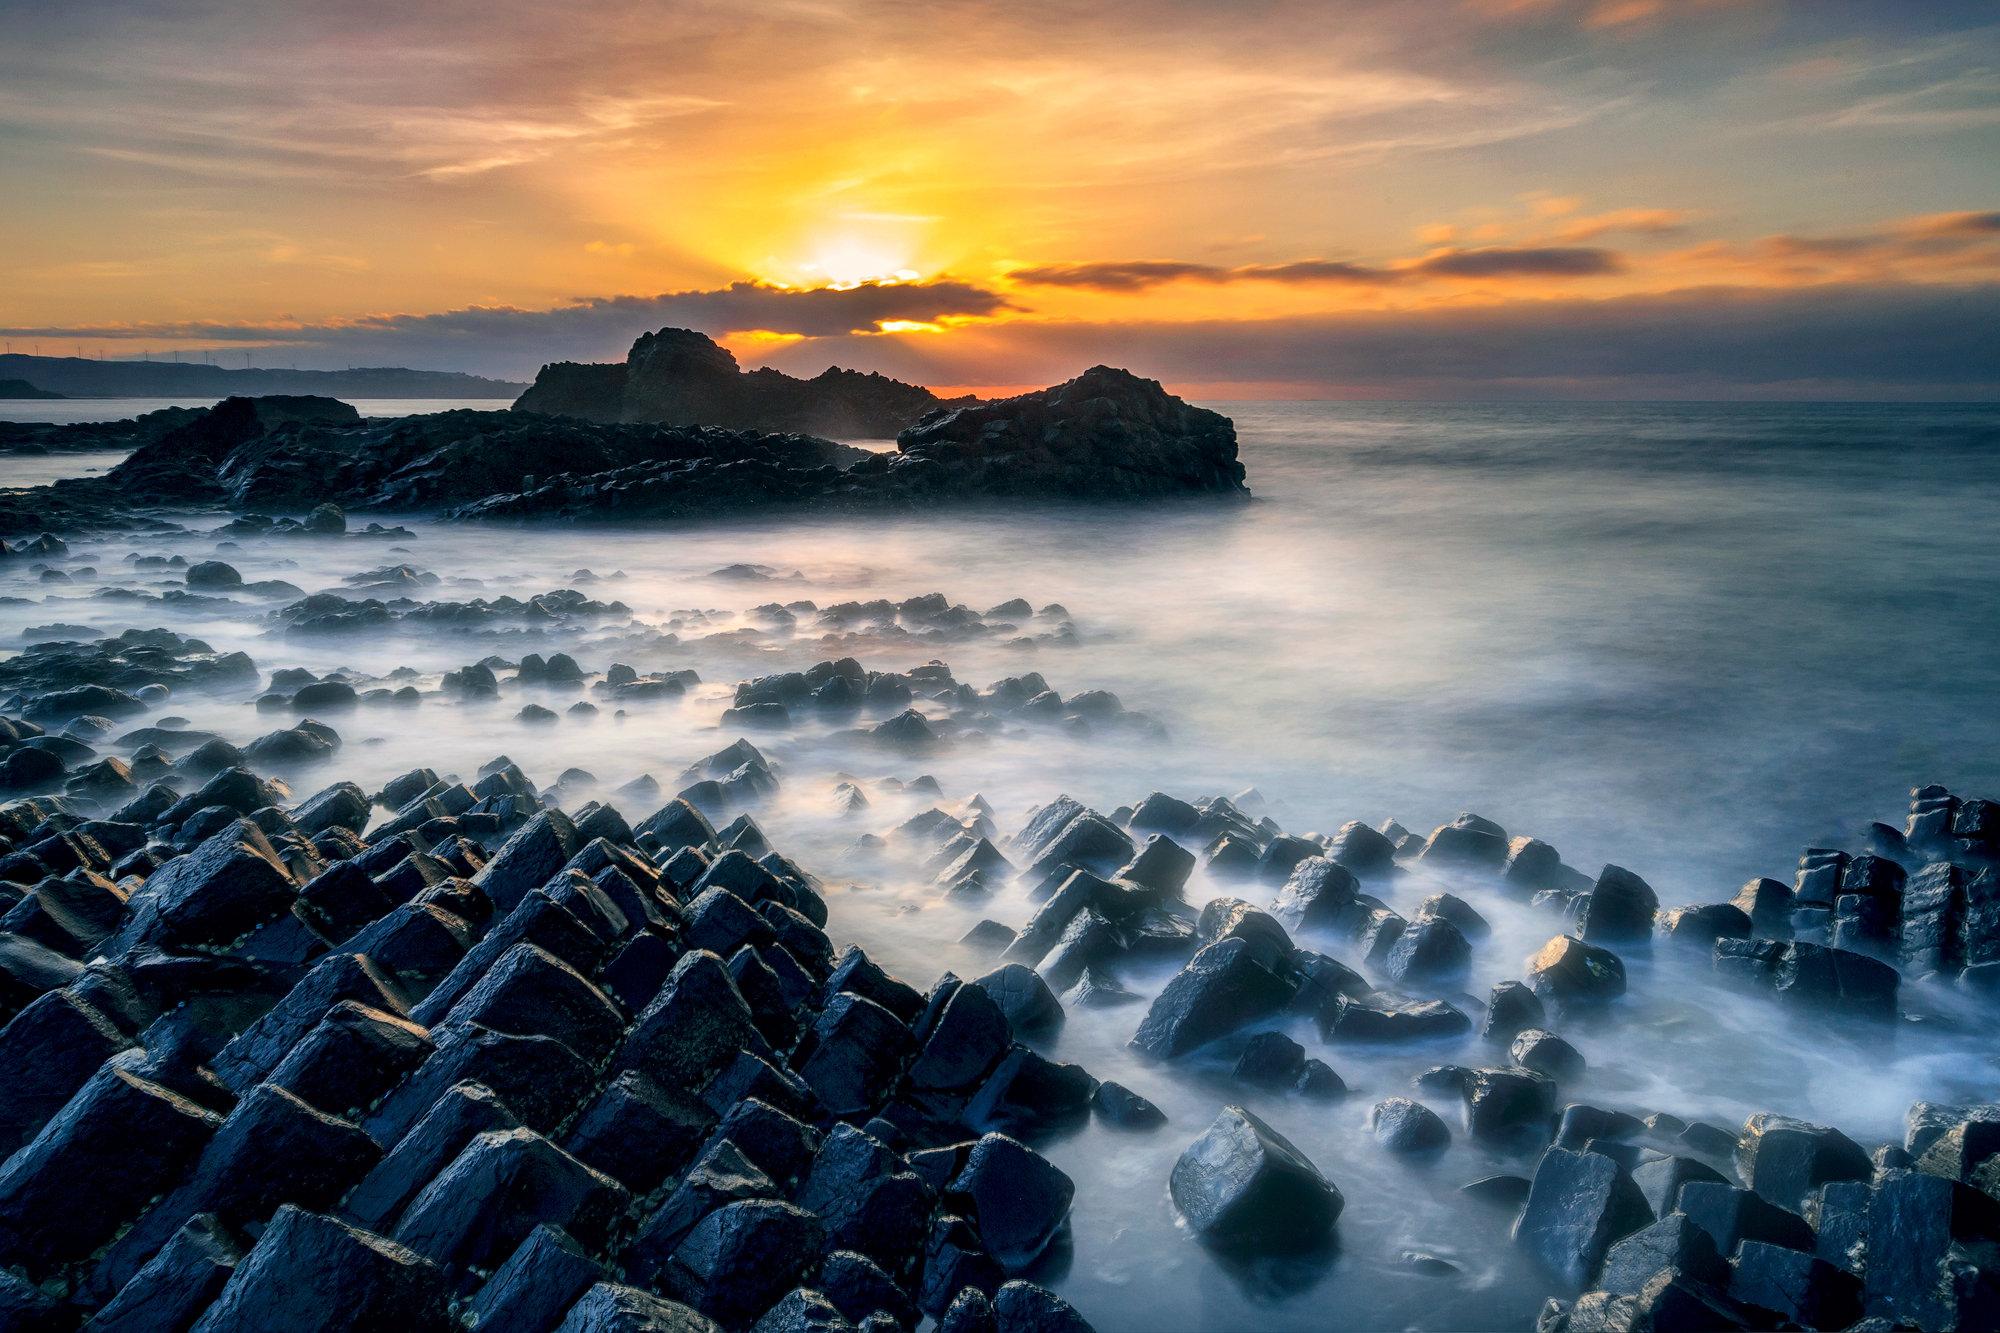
(1452, 199)
(944, 666)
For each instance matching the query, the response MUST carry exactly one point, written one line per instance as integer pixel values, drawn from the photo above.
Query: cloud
(1937, 247)
(1521, 261)
(510, 340)
(1855, 341)
(1977, 225)
(1136, 275)
(1641, 221)
(1133, 275)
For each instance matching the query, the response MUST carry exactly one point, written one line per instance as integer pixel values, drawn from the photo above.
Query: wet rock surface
(273, 990)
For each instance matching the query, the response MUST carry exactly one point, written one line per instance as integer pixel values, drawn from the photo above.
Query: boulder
(721, 1174)
(271, 1149)
(1699, 926)
(1161, 865)
(1794, 1285)
(963, 1043)
(1577, 1207)
(249, 1057)
(1672, 1242)
(460, 1114)
(1029, 1094)
(1023, 996)
(639, 1132)
(352, 1057)
(1785, 1159)
(1661, 1180)
(780, 1145)
(222, 889)
(538, 920)
(1384, 1016)
(501, 1186)
(740, 1259)
(1729, 1215)
(1546, 1053)
(860, 1050)
(866, 1198)
(309, 1273)
(1570, 972)
(609, 1307)
(1501, 1102)
(1222, 989)
(1243, 1184)
(1510, 1010)
(540, 1079)
(803, 1310)
(1404, 1126)
(1431, 951)
(540, 1280)
(694, 1027)
(1270, 1060)
(1118, 1105)
(954, 1261)
(94, 1166)
(528, 859)
(1619, 908)
(176, 1284)
(1362, 849)
(530, 992)
(47, 1052)
(1811, 978)
(1023, 1307)
(1316, 893)
(1915, 1223)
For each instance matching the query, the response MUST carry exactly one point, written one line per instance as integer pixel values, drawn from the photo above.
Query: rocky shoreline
(478, 1051)
(517, 1048)
(1105, 435)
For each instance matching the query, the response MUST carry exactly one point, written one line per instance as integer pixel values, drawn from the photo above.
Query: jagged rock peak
(679, 377)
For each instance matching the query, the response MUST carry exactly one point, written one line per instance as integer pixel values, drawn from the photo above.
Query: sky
(1454, 199)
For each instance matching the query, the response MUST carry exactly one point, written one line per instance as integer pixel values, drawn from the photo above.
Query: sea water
(1690, 640)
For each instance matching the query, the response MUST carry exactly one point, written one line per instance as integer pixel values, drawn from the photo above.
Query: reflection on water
(43, 469)
(63, 410)
(1687, 639)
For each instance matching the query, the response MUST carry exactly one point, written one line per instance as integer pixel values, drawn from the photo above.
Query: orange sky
(442, 184)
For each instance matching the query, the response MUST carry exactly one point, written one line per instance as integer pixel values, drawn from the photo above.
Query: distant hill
(23, 389)
(79, 377)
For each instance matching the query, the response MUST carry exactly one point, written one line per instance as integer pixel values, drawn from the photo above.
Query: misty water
(1690, 640)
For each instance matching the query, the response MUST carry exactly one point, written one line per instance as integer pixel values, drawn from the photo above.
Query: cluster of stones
(840, 688)
(388, 597)
(1667, 1223)
(929, 618)
(493, 1066)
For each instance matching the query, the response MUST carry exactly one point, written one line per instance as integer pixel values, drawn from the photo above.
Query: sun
(849, 263)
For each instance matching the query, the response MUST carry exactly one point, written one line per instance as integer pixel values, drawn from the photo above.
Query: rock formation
(678, 377)
(1105, 435)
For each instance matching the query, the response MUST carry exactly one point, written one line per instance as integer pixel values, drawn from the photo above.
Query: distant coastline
(80, 377)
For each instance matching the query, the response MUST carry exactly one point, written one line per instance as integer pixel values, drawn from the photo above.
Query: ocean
(1690, 640)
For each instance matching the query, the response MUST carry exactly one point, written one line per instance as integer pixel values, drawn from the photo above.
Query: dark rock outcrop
(1106, 434)
(682, 378)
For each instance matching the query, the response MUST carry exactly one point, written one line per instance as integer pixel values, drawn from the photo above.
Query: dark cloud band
(1132, 275)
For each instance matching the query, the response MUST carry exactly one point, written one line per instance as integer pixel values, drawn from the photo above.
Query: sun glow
(851, 262)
